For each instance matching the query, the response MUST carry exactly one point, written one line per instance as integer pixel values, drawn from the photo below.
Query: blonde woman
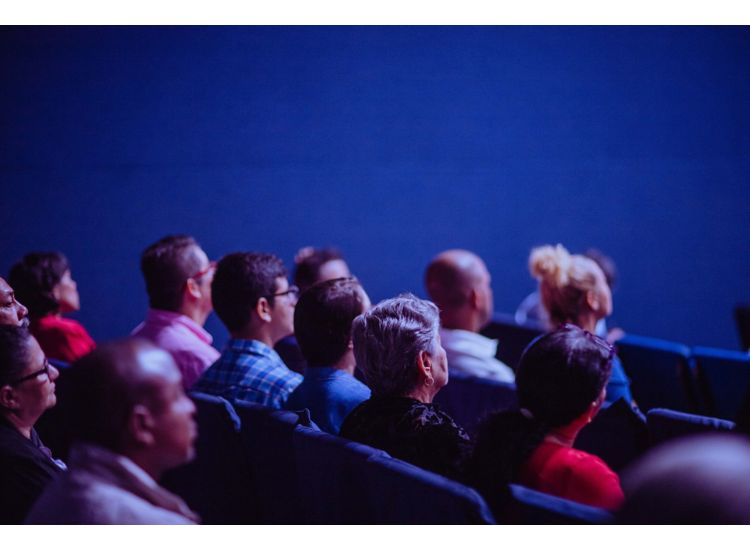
(574, 290)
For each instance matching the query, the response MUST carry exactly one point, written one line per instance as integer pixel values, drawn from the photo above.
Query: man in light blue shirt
(322, 324)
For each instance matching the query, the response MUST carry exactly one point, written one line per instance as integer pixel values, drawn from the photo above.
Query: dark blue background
(391, 143)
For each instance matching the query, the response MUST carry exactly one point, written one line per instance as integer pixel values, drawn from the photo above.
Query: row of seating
(664, 374)
(256, 465)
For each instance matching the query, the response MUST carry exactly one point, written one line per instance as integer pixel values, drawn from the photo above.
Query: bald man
(132, 421)
(459, 283)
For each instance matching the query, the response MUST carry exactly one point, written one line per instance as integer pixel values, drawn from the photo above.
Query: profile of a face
(12, 312)
(34, 392)
(66, 294)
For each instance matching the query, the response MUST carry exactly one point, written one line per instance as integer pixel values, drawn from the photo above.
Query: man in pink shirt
(178, 279)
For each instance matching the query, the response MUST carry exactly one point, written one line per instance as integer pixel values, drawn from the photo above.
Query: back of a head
(697, 480)
(308, 264)
(102, 389)
(389, 337)
(559, 376)
(34, 278)
(323, 319)
(166, 266)
(450, 276)
(240, 280)
(564, 279)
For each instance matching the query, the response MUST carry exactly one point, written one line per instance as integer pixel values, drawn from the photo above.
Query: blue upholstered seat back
(217, 483)
(512, 338)
(529, 507)
(659, 373)
(723, 379)
(665, 424)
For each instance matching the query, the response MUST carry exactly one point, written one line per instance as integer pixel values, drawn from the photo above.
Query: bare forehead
(4, 288)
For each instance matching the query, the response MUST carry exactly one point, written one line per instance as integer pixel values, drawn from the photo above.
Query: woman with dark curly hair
(42, 281)
(561, 382)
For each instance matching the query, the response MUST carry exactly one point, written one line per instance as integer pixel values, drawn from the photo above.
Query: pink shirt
(186, 340)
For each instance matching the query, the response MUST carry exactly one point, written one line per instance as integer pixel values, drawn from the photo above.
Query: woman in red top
(43, 282)
(561, 383)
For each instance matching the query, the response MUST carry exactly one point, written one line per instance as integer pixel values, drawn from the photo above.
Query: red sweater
(62, 339)
(572, 474)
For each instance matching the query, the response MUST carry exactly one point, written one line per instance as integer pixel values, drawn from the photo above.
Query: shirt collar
(163, 317)
(457, 338)
(256, 347)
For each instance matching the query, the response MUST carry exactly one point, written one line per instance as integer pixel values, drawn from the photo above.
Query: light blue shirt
(330, 394)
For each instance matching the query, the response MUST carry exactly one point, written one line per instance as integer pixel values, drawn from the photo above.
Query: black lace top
(413, 431)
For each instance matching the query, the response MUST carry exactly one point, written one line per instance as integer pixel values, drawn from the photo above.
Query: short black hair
(323, 319)
(307, 266)
(34, 278)
(240, 280)
(166, 266)
(14, 352)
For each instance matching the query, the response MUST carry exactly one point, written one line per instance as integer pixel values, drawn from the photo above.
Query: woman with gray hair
(397, 347)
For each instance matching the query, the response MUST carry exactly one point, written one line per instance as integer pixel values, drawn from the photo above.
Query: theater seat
(618, 435)
(402, 493)
(742, 318)
(468, 399)
(512, 338)
(218, 484)
(332, 486)
(659, 372)
(664, 424)
(723, 377)
(267, 435)
(529, 507)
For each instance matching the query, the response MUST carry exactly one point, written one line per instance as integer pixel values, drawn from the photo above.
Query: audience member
(132, 422)
(12, 312)
(43, 282)
(532, 311)
(27, 389)
(178, 279)
(459, 284)
(253, 299)
(574, 290)
(697, 480)
(561, 381)
(311, 266)
(323, 325)
(397, 345)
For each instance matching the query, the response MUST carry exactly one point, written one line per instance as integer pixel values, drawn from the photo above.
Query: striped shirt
(248, 370)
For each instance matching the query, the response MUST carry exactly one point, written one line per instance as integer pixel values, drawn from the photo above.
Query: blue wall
(391, 143)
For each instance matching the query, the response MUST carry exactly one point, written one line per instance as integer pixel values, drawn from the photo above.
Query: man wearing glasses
(252, 297)
(178, 279)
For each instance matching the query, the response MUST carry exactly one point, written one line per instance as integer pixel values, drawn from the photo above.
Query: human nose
(53, 373)
(23, 311)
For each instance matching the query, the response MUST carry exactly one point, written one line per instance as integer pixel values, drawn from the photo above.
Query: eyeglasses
(43, 370)
(211, 266)
(292, 292)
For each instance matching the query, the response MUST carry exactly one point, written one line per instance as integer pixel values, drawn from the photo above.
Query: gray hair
(388, 339)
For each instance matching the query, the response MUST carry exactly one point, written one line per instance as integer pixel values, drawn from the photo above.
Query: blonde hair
(564, 279)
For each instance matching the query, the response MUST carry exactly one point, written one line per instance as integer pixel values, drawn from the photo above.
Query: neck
(24, 426)
(460, 319)
(192, 311)
(422, 393)
(587, 321)
(144, 462)
(254, 333)
(566, 435)
(346, 363)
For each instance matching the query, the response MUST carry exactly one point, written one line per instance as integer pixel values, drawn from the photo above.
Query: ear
(56, 292)
(424, 365)
(350, 344)
(140, 426)
(592, 300)
(193, 288)
(474, 298)
(8, 397)
(263, 309)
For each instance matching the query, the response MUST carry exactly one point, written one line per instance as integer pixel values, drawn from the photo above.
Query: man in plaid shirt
(252, 297)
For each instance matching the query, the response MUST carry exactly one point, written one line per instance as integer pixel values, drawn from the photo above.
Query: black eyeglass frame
(293, 289)
(43, 370)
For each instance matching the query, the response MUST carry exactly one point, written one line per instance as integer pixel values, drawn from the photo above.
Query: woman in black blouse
(27, 389)
(397, 347)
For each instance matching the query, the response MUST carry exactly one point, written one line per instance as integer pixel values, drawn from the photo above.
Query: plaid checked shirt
(248, 370)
